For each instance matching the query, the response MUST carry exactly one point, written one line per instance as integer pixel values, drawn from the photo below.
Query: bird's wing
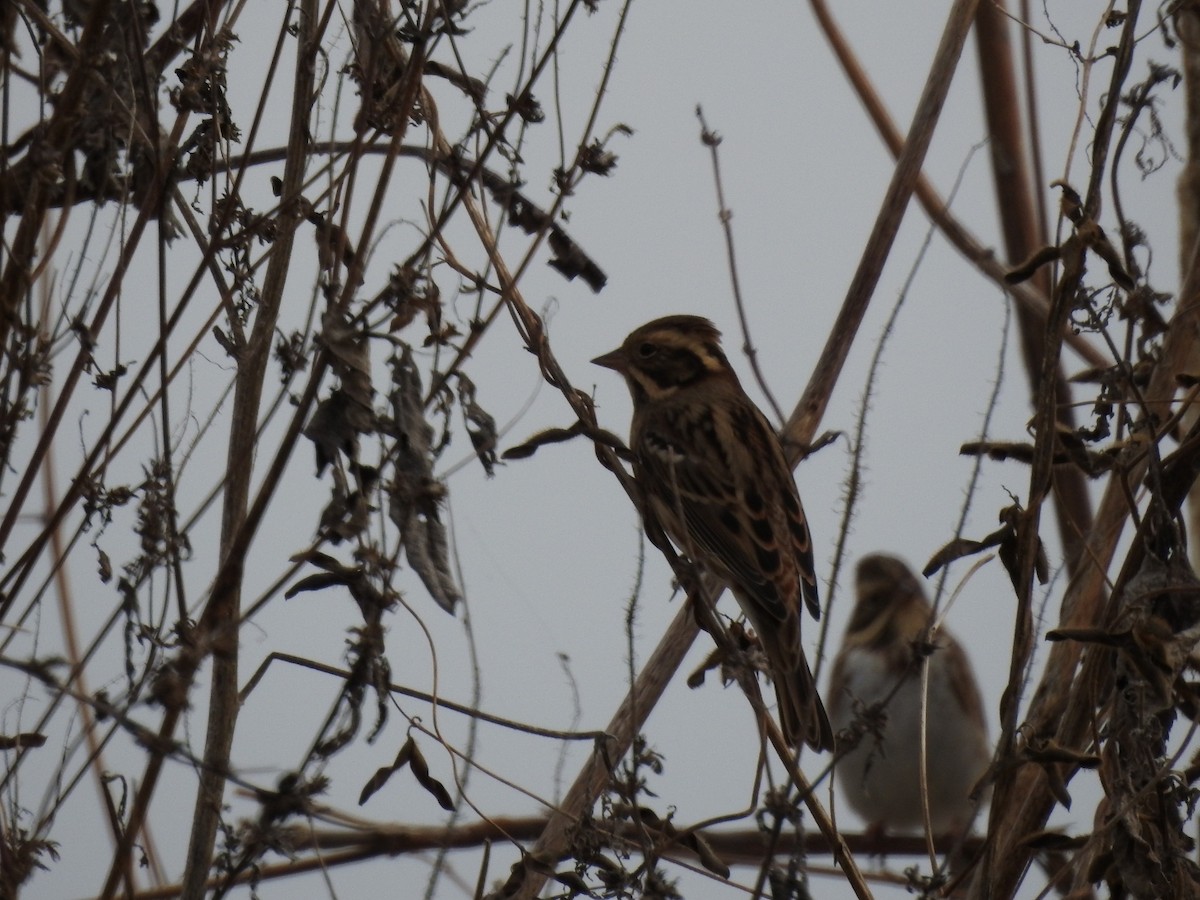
(719, 481)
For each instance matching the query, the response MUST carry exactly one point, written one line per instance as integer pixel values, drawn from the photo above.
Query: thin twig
(712, 140)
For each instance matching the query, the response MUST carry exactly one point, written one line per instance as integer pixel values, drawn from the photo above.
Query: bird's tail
(802, 715)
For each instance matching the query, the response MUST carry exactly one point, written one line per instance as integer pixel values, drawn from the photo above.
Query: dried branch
(1023, 234)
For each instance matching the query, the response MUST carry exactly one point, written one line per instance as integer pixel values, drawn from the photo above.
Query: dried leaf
(569, 258)
(372, 602)
(481, 427)
(1057, 786)
(572, 880)
(350, 357)
(24, 739)
(317, 582)
(561, 435)
(1070, 204)
(526, 106)
(955, 549)
(708, 858)
(333, 243)
(1025, 270)
(572, 262)
(381, 776)
(1054, 841)
(333, 429)
(1004, 538)
(1100, 636)
(549, 436)
(1096, 240)
(1021, 451)
(104, 566)
(347, 412)
(107, 381)
(714, 660)
(420, 770)
(414, 494)
(597, 158)
(1070, 448)
(1050, 751)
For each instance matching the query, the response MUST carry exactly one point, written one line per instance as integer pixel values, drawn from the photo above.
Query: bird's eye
(646, 350)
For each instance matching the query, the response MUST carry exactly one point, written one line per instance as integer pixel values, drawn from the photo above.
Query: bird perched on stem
(880, 663)
(713, 474)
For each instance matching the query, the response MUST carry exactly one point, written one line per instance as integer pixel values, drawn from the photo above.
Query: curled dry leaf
(1088, 234)
(24, 739)
(707, 856)
(728, 656)
(410, 291)
(1070, 449)
(1099, 636)
(1025, 270)
(332, 431)
(526, 106)
(597, 158)
(350, 356)
(1054, 840)
(410, 755)
(420, 770)
(481, 427)
(549, 436)
(1161, 615)
(414, 495)
(1142, 826)
(104, 566)
(573, 881)
(382, 774)
(714, 660)
(1051, 752)
(1003, 538)
(560, 435)
(370, 599)
(569, 258)
(347, 412)
(333, 243)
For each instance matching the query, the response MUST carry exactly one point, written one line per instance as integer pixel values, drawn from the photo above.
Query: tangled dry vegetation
(138, 238)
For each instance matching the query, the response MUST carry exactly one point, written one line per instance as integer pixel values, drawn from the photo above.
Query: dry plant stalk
(130, 122)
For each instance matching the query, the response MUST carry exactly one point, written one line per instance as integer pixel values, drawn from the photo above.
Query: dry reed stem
(221, 615)
(1022, 236)
(1062, 705)
(980, 255)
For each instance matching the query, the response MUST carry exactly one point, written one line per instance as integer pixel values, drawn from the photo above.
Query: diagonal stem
(802, 425)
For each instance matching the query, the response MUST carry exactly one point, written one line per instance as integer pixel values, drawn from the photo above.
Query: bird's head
(891, 606)
(662, 357)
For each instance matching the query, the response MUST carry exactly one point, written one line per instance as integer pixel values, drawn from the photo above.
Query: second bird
(880, 777)
(713, 473)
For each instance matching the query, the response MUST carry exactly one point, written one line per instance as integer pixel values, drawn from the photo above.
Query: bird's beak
(614, 360)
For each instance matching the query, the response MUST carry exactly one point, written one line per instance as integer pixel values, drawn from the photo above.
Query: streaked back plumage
(713, 472)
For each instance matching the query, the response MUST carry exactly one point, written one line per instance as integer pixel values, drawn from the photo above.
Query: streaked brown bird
(880, 777)
(713, 473)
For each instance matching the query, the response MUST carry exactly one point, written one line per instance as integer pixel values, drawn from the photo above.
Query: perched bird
(713, 474)
(881, 777)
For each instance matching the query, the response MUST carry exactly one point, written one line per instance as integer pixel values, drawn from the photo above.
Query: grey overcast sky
(548, 548)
